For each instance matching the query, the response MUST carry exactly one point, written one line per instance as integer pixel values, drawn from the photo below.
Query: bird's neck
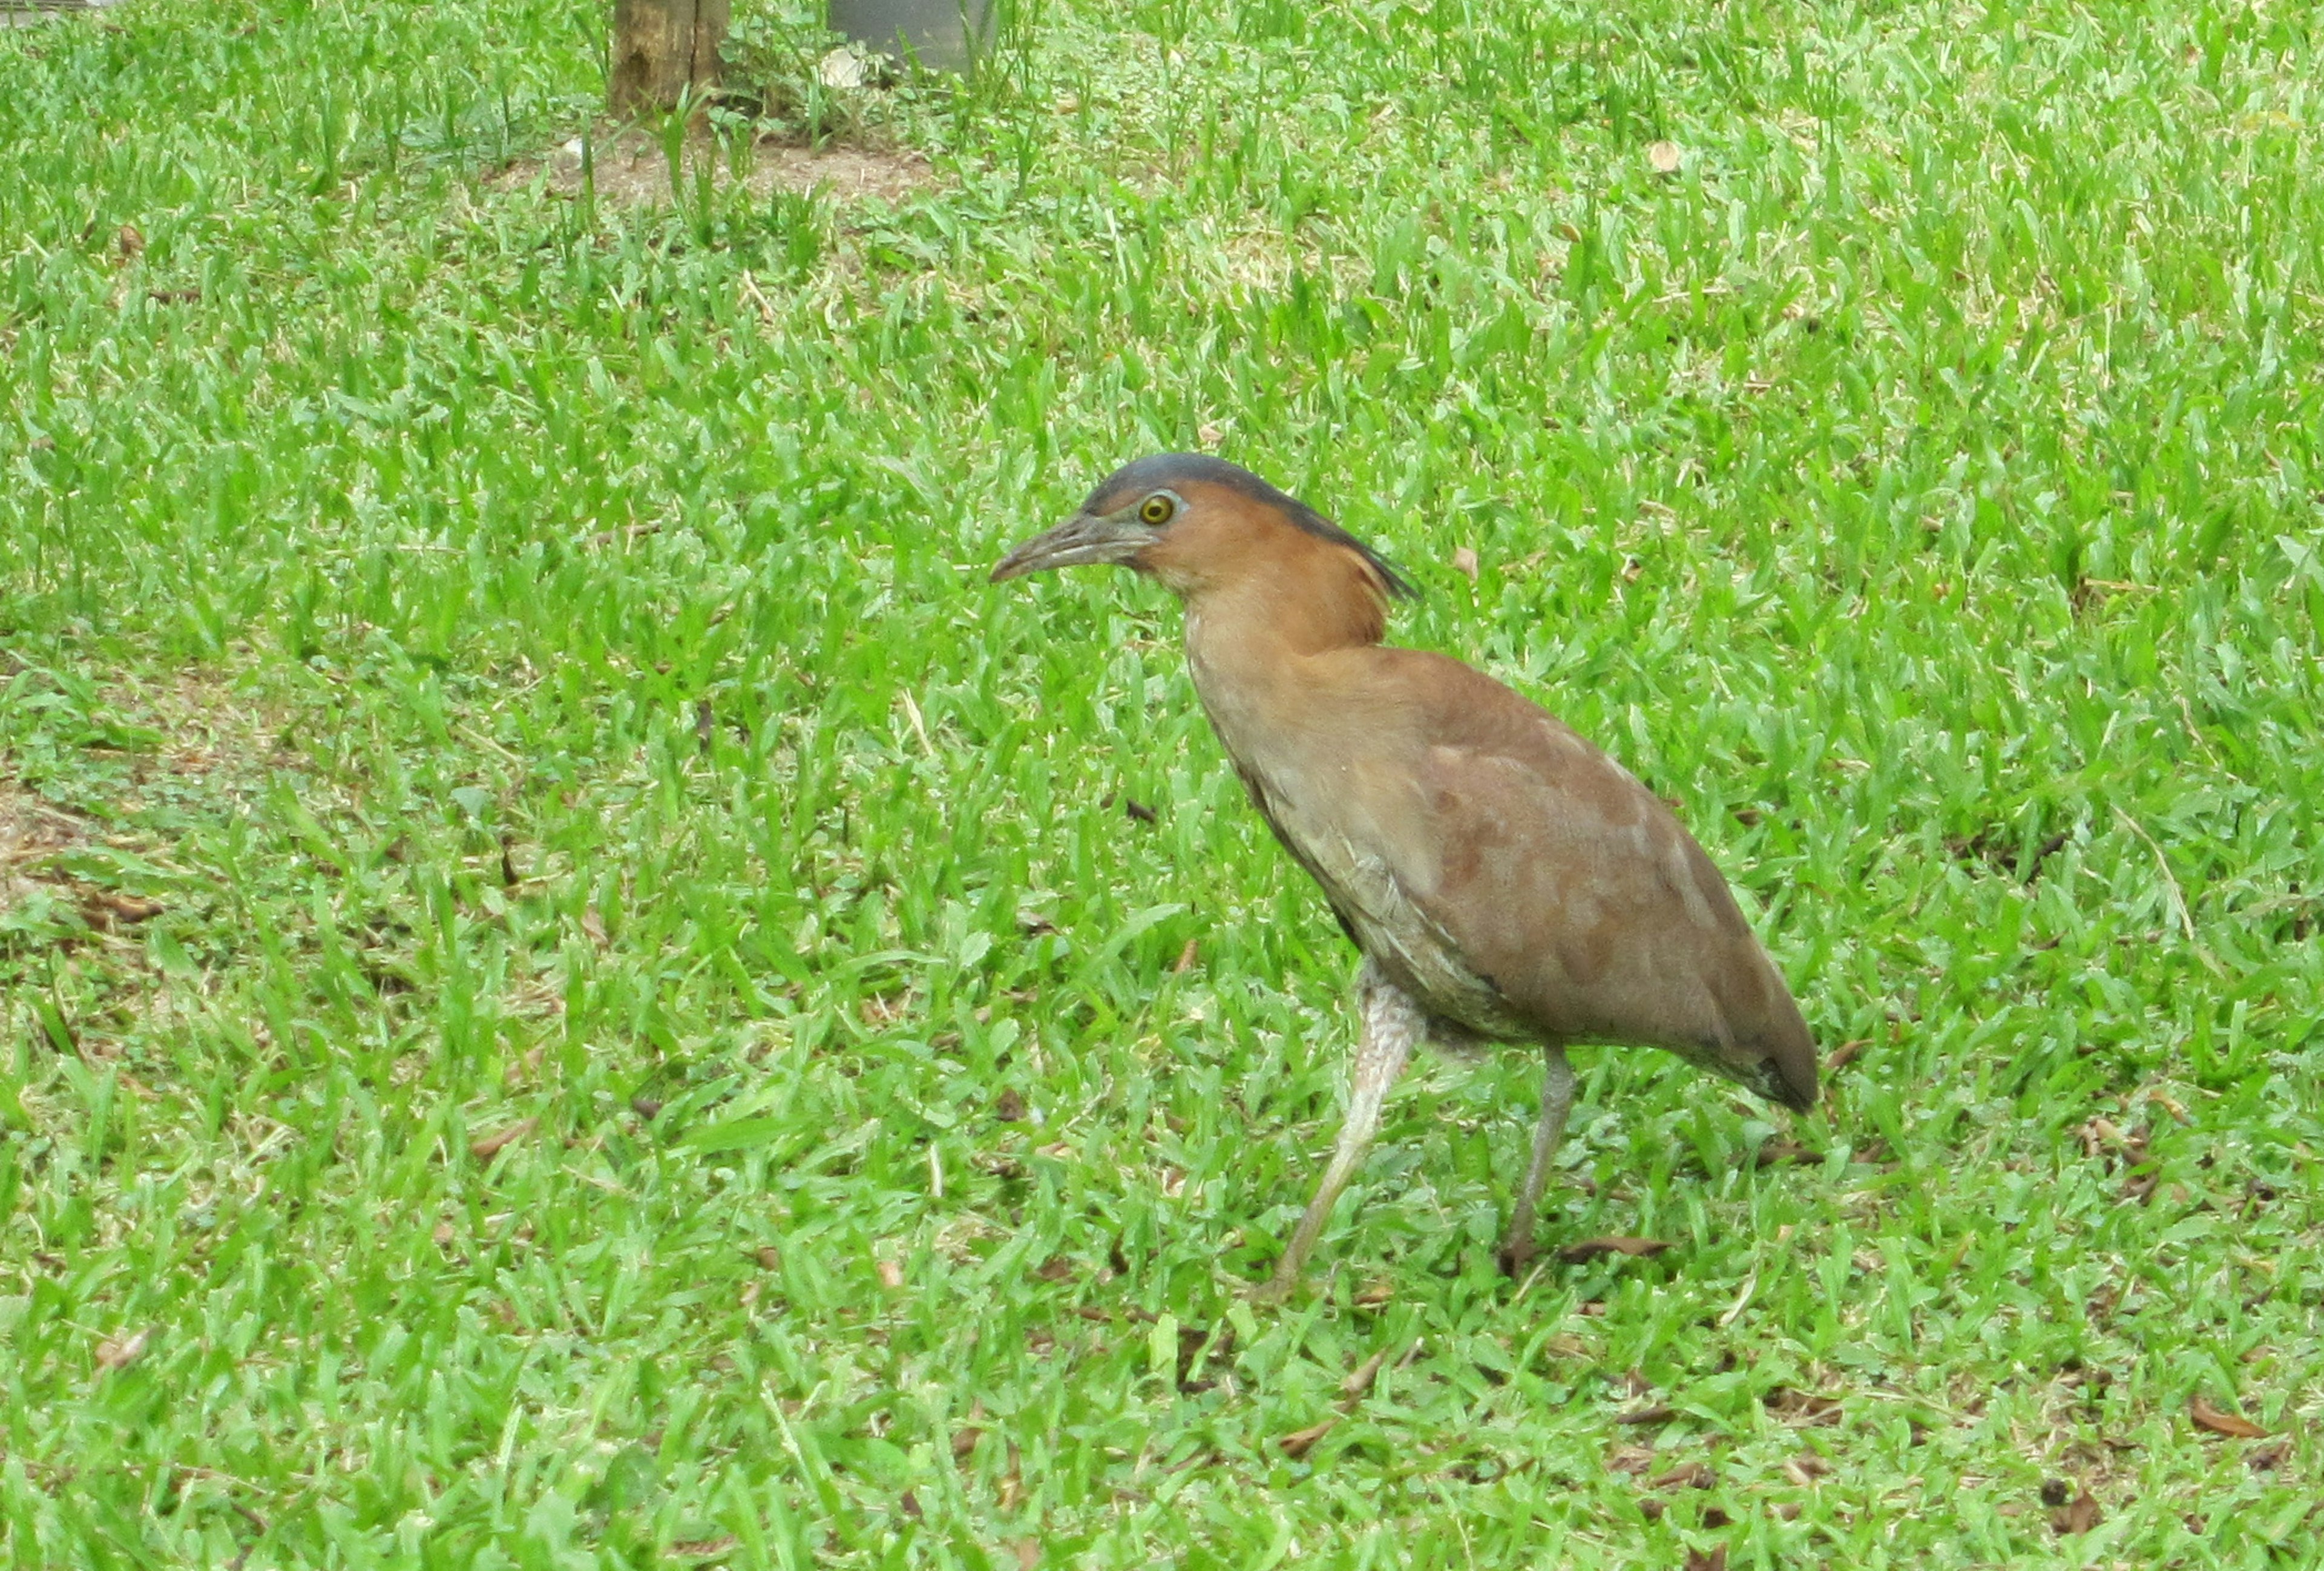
(1258, 656)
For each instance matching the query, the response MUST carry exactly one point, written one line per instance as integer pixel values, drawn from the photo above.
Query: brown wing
(1567, 886)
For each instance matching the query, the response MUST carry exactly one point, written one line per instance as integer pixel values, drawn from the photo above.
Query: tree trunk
(661, 49)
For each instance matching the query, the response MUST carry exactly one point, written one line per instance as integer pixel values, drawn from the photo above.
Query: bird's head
(1196, 523)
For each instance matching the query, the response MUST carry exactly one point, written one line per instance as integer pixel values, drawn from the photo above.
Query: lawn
(576, 988)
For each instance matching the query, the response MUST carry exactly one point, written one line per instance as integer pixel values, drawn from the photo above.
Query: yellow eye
(1156, 509)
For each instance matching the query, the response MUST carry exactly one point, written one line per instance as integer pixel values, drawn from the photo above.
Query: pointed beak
(1082, 538)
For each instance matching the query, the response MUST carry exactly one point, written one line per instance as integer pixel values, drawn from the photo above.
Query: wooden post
(661, 49)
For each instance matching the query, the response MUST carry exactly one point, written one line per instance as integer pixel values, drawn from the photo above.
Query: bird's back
(1512, 876)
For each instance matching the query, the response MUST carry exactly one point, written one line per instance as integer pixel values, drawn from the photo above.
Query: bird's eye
(1156, 508)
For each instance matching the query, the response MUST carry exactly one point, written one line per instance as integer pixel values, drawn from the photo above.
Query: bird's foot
(1515, 1254)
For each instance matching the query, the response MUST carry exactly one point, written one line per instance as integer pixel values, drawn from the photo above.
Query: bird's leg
(1392, 1023)
(1556, 1102)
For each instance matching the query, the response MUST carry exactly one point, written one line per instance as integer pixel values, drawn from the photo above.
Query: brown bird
(1504, 879)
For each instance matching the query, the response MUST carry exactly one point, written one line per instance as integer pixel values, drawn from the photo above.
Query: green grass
(1923, 486)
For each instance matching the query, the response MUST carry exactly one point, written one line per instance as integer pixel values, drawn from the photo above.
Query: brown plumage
(1503, 878)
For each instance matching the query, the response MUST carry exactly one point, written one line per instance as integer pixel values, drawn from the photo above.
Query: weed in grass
(1919, 484)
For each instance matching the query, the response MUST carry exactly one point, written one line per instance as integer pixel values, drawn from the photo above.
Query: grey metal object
(946, 35)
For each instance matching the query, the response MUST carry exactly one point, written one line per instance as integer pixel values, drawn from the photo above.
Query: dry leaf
(1352, 1389)
(769, 1258)
(2267, 1458)
(1690, 1475)
(892, 1275)
(1662, 157)
(102, 907)
(121, 1352)
(1029, 1553)
(1783, 1149)
(2079, 1515)
(1696, 1560)
(1464, 560)
(1008, 1107)
(1659, 1413)
(131, 240)
(1057, 1269)
(485, 1147)
(2229, 1424)
(1300, 1442)
(1374, 1293)
(1186, 958)
(1845, 1054)
(1799, 1407)
(646, 1107)
(1591, 1248)
(964, 1444)
(1209, 435)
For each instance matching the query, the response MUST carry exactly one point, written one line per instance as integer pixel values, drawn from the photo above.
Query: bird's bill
(1081, 539)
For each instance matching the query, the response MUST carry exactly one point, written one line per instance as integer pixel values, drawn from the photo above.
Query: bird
(1504, 880)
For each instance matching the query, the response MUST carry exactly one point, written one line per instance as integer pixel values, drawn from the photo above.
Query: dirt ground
(631, 169)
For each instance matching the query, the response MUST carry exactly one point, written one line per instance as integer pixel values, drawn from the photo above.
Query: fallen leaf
(646, 1107)
(1374, 1293)
(105, 907)
(892, 1275)
(1464, 560)
(130, 240)
(1749, 817)
(1300, 1442)
(121, 1352)
(964, 1443)
(706, 1549)
(1659, 1413)
(2267, 1458)
(1352, 1389)
(1209, 435)
(2079, 1515)
(1630, 1459)
(769, 1258)
(1696, 1560)
(2221, 1423)
(1689, 1475)
(1663, 157)
(1787, 1510)
(2138, 1184)
(1807, 1467)
(1783, 1149)
(1138, 810)
(1056, 1269)
(485, 1147)
(1029, 1553)
(1008, 1107)
(1591, 1248)
(1186, 958)
(1804, 1408)
(1845, 1054)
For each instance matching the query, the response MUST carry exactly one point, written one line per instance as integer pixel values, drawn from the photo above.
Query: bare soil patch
(631, 169)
